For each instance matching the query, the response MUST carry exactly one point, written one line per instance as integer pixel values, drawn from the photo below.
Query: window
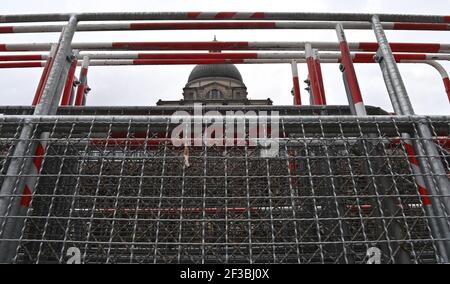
(215, 95)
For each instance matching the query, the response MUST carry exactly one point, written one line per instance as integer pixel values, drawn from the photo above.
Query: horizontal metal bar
(162, 119)
(223, 16)
(236, 45)
(131, 62)
(222, 25)
(357, 57)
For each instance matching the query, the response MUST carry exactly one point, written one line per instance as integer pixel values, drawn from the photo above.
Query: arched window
(215, 95)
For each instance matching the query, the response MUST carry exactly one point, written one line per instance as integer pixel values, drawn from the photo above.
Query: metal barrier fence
(119, 191)
(116, 189)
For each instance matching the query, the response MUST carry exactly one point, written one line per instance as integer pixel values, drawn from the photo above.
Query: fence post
(16, 192)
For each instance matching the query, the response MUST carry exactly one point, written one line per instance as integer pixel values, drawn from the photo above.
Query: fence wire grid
(120, 192)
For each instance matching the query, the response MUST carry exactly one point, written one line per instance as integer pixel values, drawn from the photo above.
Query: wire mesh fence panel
(120, 191)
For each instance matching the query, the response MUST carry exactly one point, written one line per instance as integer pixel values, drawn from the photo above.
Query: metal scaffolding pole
(231, 16)
(82, 87)
(69, 83)
(296, 88)
(317, 97)
(231, 45)
(12, 207)
(275, 25)
(356, 57)
(426, 144)
(45, 74)
(350, 74)
(318, 68)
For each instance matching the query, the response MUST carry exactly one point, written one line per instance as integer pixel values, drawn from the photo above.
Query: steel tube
(237, 45)
(296, 84)
(350, 73)
(47, 67)
(13, 185)
(222, 25)
(81, 91)
(318, 69)
(356, 57)
(65, 101)
(282, 16)
(434, 165)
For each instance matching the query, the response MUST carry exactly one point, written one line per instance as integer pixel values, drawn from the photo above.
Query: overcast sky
(145, 85)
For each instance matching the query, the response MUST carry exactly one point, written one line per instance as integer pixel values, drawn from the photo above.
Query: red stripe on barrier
(81, 88)
(403, 47)
(225, 15)
(69, 84)
(350, 72)
(411, 154)
(26, 197)
(202, 25)
(20, 64)
(447, 87)
(84, 71)
(447, 19)
(369, 57)
(420, 26)
(197, 56)
(6, 30)
(39, 157)
(258, 15)
(3, 47)
(42, 81)
(297, 94)
(363, 58)
(180, 45)
(416, 47)
(186, 61)
(425, 196)
(20, 57)
(320, 81)
(193, 15)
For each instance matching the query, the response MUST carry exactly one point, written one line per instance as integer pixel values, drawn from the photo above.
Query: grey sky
(145, 85)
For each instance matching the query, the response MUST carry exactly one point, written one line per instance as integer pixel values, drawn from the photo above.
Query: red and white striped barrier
(248, 16)
(296, 84)
(357, 57)
(317, 96)
(222, 26)
(237, 45)
(126, 62)
(31, 180)
(67, 94)
(47, 67)
(81, 91)
(318, 68)
(416, 170)
(350, 73)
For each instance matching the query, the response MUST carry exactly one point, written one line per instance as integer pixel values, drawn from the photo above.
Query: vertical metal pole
(61, 85)
(425, 147)
(69, 83)
(392, 68)
(315, 88)
(389, 86)
(318, 69)
(15, 193)
(350, 75)
(45, 73)
(83, 82)
(297, 94)
(74, 91)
